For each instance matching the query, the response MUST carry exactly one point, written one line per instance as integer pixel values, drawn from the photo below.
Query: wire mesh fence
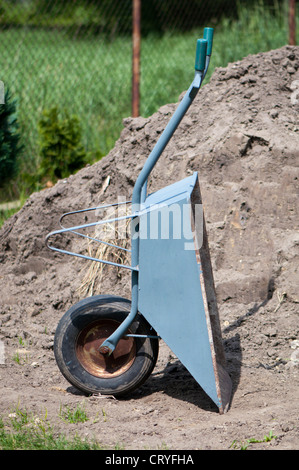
(76, 55)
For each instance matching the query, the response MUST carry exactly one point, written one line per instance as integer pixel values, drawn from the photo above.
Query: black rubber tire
(92, 314)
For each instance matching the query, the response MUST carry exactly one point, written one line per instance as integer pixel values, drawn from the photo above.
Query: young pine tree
(61, 151)
(9, 139)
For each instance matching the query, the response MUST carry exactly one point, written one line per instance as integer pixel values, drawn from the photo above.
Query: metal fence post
(136, 58)
(292, 22)
(2, 94)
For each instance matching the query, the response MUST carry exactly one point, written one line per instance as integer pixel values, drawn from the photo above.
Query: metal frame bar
(93, 209)
(92, 224)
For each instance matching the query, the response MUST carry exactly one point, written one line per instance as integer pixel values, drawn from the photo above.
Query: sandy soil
(242, 136)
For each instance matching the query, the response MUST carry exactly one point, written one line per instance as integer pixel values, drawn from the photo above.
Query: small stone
(295, 357)
(273, 113)
(5, 317)
(33, 312)
(30, 276)
(270, 332)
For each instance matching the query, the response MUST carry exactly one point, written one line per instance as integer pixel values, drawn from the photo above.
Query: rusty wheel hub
(102, 365)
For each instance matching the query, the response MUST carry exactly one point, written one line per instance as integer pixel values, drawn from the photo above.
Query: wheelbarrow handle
(201, 54)
(208, 34)
(202, 60)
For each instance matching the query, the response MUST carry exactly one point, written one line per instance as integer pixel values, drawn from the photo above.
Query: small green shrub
(10, 146)
(61, 151)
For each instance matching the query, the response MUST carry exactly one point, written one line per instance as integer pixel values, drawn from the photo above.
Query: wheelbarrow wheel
(79, 335)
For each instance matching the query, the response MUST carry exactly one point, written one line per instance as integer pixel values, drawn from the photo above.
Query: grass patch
(70, 415)
(10, 208)
(5, 214)
(243, 445)
(24, 431)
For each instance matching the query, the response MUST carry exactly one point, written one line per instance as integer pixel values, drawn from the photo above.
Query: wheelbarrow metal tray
(176, 286)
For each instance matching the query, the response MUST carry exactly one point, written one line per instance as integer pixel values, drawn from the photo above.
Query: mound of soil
(242, 137)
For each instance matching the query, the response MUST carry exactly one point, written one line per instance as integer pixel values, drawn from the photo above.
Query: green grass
(88, 78)
(5, 214)
(91, 77)
(24, 431)
(243, 445)
(168, 61)
(5, 210)
(70, 415)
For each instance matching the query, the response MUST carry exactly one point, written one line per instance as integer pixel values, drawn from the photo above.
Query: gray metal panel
(172, 193)
(170, 298)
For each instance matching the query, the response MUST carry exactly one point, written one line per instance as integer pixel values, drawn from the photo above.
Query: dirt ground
(242, 137)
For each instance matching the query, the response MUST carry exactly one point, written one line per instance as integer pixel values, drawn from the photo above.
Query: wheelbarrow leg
(109, 345)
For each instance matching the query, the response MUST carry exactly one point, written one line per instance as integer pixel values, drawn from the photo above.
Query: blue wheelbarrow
(109, 345)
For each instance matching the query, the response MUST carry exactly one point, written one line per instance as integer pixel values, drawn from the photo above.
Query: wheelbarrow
(109, 345)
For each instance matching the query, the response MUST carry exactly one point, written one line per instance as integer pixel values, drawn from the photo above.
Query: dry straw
(111, 233)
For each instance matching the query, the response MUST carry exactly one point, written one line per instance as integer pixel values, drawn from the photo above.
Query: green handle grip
(208, 34)
(201, 53)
